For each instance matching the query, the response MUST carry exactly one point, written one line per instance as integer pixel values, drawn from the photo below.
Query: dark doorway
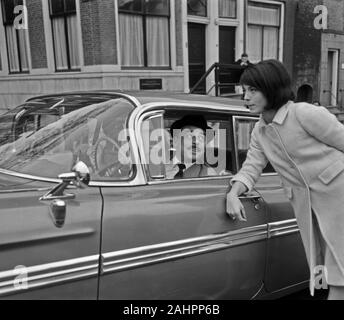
(305, 94)
(197, 67)
(227, 45)
(226, 56)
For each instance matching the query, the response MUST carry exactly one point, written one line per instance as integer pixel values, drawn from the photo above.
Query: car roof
(147, 97)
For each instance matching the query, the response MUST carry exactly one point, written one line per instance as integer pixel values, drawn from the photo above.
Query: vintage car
(84, 215)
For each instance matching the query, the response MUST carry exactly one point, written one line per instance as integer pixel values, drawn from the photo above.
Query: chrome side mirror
(79, 177)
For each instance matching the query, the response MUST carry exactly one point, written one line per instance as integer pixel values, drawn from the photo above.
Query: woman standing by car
(305, 145)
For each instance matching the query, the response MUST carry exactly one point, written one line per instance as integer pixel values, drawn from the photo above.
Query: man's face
(189, 143)
(244, 59)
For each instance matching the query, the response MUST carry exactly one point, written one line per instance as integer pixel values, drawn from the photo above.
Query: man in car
(189, 145)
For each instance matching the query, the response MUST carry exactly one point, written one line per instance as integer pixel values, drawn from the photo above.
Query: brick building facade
(113, 44)
(318, 69)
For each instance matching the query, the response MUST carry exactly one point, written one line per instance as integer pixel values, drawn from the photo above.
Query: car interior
(220, 151)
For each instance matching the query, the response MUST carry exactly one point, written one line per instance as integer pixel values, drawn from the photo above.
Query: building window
(227, 9)
(264, 23)
(65, 35)
(145, 33)
(197, 8)
(16, 39)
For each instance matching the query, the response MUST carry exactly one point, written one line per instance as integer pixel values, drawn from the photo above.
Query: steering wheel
(105, 148)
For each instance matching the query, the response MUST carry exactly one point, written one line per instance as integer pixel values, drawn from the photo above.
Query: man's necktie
(180, 173)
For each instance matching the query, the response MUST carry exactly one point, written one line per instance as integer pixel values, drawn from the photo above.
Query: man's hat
(190, 120)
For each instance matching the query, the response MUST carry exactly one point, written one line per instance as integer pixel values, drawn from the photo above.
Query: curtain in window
(60, 44)
(158, 44)
(227, 8)
(73, 42)
(264, 16)
(22, 39)
(131, 39)
(12, 49)
(254, 43)
(270, 43)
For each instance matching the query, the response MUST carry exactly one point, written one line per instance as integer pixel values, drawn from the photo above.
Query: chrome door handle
(253, 197)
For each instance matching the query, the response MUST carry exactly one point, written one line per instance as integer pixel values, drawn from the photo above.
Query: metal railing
(226, 76)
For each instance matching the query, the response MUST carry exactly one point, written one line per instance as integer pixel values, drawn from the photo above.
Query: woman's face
(254, 99)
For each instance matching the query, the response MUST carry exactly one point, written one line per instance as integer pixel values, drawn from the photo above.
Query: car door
(286, 260)
(172, 239)
(39, 260)
(50, 236)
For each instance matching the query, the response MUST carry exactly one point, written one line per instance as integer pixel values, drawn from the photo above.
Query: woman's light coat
(305, 145)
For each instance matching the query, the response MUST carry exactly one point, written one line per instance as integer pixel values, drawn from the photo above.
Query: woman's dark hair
(272, 79)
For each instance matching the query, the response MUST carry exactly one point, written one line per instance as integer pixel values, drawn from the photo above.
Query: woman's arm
(321, 124)
(254, 164)
(246, 178)
(237, 189)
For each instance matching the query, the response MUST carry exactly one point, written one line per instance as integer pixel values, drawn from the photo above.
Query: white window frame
(335, 76)
(200, 19)
(281, 29)
(3, 49)
(212, 22)
(238, 23)
(239, 4)
(173, 49)
(49, 43)
(5, 69)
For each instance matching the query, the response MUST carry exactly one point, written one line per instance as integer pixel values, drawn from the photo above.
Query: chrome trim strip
(143, 256)
(28, 176)
(282, 228)
(7, 240)
(198, 105)
(80, 268)
(140, 143)
(158, 182)
(303, 283)
(24, 190)
(132, 99)
(270, 174)
(49, 274)
(138, 180)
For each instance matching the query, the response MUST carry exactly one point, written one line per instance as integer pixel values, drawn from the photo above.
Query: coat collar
(280, 116)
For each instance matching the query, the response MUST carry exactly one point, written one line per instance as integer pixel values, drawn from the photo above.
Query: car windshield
(46, 137)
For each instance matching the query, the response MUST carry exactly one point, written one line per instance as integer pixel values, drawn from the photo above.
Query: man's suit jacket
(195, 171)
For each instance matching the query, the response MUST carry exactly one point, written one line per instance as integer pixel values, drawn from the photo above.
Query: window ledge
(227, 22)
(196, 19)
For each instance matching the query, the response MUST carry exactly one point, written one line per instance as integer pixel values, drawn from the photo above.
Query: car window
(161, 149)
(47, 139)
(243, 127)
(155, 144)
